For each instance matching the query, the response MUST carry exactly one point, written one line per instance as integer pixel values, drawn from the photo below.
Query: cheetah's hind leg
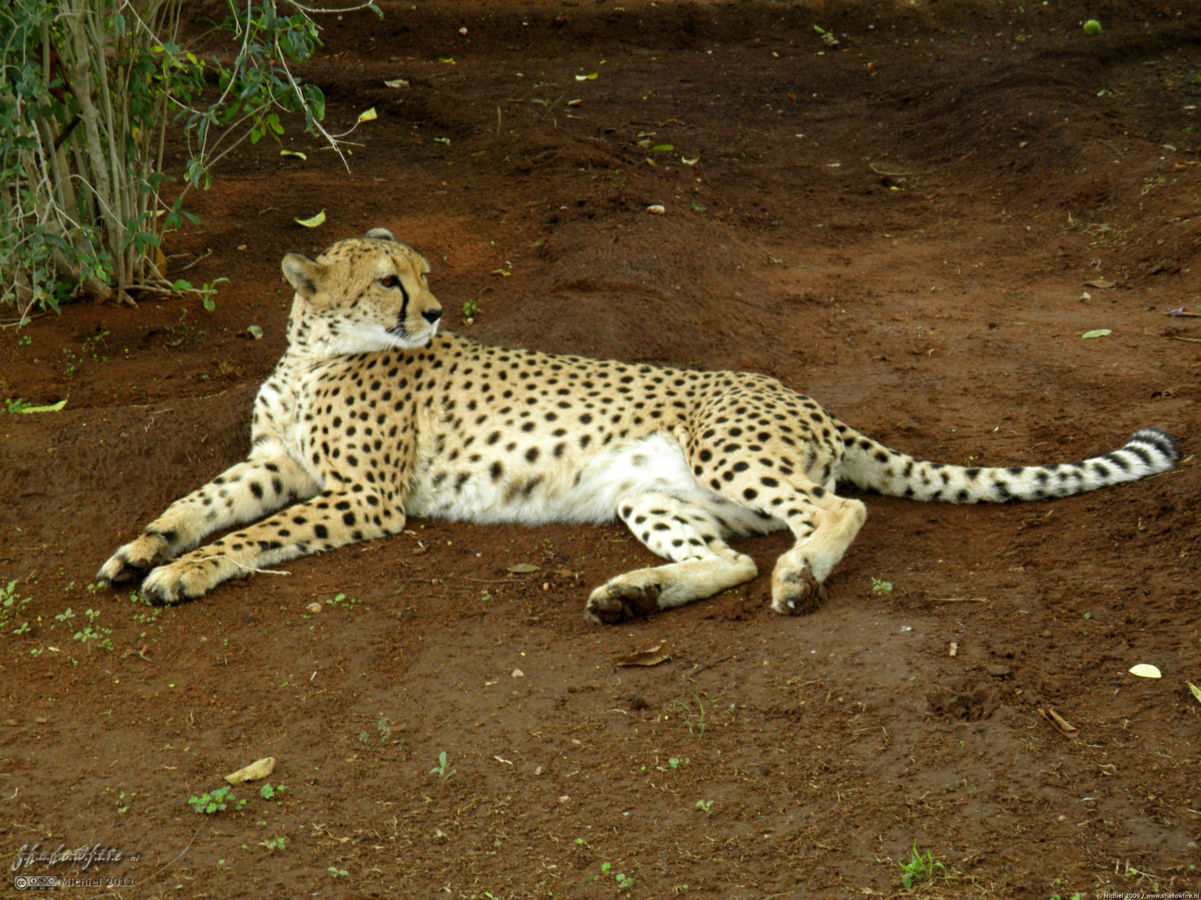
(824, 526)
(702, 564)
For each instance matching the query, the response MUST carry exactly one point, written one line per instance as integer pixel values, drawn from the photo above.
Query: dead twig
(1058, 721)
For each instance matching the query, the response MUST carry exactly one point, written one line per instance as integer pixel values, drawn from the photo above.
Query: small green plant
(624, 882)
(705, 806)
(124, 801)
(207, 292)
(441, 769)
(881, 587)
(694, 719)
(213, 802)
(272, 792)
(15, 405)
(921, 867)
(92, 634)
(675, 762)
(343, 601)
(382, 727)
(11, 605)
(276, 843)
(338, 873)
(471, 309)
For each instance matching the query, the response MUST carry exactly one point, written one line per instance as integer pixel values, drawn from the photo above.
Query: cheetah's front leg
(329, 520)
(242, 493)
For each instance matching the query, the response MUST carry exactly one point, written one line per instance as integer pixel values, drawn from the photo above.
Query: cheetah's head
(364, 294)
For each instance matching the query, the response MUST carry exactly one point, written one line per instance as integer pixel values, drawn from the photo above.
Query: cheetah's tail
(870, 465)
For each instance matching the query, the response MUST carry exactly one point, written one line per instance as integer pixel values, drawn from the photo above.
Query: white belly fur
(654, 463)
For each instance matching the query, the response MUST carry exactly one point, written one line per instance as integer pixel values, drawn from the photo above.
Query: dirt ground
(918, 227)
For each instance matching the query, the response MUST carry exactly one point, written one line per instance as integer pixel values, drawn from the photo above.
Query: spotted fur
(372, 415)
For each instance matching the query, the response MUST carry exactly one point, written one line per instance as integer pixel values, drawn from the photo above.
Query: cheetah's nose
(432, 316)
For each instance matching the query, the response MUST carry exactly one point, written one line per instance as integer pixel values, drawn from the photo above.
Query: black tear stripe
(404, 307)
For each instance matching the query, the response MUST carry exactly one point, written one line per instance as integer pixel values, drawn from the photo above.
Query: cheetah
(374, 414)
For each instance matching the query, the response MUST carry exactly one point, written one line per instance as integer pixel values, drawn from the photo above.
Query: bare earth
(906, 228)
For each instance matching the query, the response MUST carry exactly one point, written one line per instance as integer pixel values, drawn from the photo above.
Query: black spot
(320, 531)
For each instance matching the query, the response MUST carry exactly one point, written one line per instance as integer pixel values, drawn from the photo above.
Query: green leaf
(1196, 691)
(1096, 333)
(54, 407)
(311, 222)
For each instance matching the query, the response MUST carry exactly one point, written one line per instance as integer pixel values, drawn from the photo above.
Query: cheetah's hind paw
(796, 592)
(619, 601)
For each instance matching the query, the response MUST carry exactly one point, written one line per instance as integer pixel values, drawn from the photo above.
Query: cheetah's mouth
(404, 339)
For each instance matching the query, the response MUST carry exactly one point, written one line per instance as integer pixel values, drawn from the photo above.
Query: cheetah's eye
(389, 281)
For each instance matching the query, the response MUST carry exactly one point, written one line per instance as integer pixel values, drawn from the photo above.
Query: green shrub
(89, 90)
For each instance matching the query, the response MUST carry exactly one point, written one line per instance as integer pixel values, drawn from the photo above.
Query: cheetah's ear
(382, 234)
(302, 273)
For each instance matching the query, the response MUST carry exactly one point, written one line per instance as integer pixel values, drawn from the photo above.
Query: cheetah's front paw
(796, 592)
(134, 559)
(176, 582)
(621, 600)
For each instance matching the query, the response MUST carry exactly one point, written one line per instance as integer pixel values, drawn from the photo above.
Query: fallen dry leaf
(649, 657)
(260, 768)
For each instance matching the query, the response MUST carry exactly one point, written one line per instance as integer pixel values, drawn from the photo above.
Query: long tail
(870, 465)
